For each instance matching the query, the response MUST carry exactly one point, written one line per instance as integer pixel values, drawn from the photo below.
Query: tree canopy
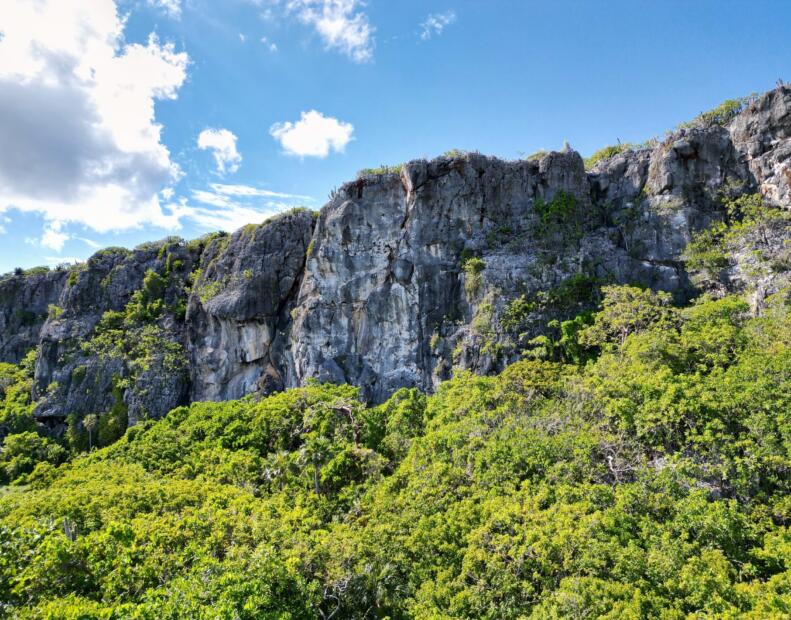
(648, 480)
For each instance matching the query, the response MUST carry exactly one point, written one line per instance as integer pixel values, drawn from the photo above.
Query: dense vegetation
(647, 478)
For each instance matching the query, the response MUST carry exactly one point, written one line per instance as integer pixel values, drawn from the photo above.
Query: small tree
(91, 422)
(625, 311)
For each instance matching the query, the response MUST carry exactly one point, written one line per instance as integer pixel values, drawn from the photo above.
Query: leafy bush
(652, 482)
(473, 280)
(54, 312)
(723, 114)
(748, 224)
(20, 453)
(537, 155)
(607, 152)
(380, 170)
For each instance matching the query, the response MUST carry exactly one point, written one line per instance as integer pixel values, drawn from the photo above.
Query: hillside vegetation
(649, 480)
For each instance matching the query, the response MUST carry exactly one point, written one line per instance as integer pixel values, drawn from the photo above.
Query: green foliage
(147, 304)
(473, 279)
(627, 310)
(209, 290)
(21, 452)
(562, 341)
(37, 271)
(556, 210)
(517, 312)
(575, 294)
(16, 407)
(455, 153)
(607, 152)
(651, 482)
(748, 224)
(380, 170)
(537, 155)
(723, 114)
(112, 250)
(54, 312)
(195, 246)
(73, 275)
(562, 219)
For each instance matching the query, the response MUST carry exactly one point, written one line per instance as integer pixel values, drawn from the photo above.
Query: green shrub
(455, 153)
(23, 451)
(649, 482)
(380, 170)
(606, 153)
(537, 155)
(723, 114)
(54, 312)
(473, 279)
(748, 222)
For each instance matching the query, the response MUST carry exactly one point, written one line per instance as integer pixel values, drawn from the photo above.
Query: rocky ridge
(458, 262)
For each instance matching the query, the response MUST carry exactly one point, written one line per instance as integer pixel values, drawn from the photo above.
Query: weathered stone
(24, 303)
(382, 290)
(240, 307)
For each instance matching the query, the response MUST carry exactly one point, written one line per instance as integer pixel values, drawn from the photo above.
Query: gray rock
(380, 290)
(24, 303)
(241, 305)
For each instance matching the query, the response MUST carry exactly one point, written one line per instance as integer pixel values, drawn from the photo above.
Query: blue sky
(144, 118)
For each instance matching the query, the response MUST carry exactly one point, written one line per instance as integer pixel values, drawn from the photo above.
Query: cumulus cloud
(313, 135)
(53, 237)
(340, 24)
(81, 143)
(436, 23)
(222, 143)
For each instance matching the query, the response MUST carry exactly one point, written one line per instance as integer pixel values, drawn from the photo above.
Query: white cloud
(53, 237)
(81, 143)
(228, 207)
(436, 23)
(246, 190)
(313, 135)
(223, 146)
(340, 24)
(171, 7)
(242, 38)
(2, 229)
(89, 242)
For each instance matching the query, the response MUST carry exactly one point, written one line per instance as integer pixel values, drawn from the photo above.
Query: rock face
(386, 268)
(762, 135)
(452, 263)
(240, 309)
(74, 375)
(24, 305)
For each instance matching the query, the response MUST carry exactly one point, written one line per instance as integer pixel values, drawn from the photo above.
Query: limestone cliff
(458, 262)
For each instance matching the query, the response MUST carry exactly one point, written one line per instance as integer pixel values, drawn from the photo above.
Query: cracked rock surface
(402, 277)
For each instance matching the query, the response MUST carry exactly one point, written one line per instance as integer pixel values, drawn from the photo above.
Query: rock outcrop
(26, 300)
(239, 311)
(459, 262)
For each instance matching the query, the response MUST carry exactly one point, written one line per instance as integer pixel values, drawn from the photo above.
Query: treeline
(649, 480)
